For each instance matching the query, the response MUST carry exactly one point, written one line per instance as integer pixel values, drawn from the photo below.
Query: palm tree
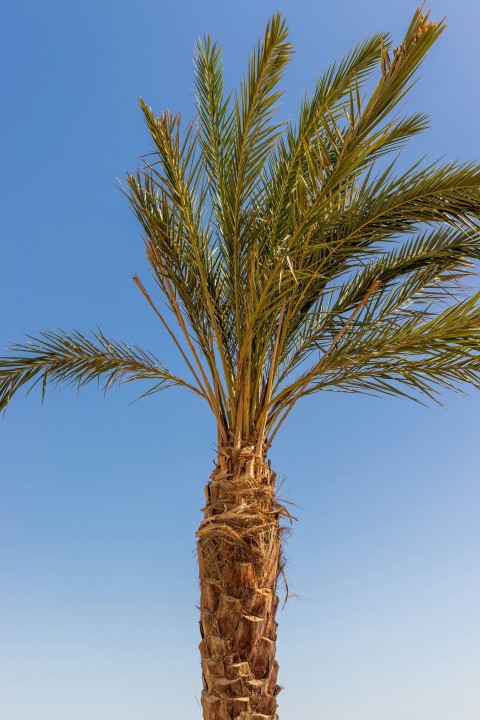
(293, 258)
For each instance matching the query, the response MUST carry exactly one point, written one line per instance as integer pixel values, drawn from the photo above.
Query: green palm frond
(215, 118)
(428, 267)
(393, 345)
(254, 134)
(414, 355)
(73, 359)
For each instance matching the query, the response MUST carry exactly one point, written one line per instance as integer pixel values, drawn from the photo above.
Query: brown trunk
(239, 562)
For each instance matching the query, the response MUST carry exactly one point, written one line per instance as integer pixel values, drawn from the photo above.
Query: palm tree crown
(294, 256)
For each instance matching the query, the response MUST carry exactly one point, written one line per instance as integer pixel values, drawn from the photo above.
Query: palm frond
(216, 119)
(337, 89)
(253, 136)
(428, 268)
(73, 359)
(421, 354)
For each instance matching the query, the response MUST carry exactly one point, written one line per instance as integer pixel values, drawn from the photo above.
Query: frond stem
(146, 295)
(268, 394)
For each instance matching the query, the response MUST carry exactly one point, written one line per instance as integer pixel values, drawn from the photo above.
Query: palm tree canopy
(294, 257)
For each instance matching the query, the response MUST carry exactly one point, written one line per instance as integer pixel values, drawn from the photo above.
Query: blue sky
(100, 498)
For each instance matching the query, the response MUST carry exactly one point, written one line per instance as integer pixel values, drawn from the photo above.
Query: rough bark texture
(239, 553)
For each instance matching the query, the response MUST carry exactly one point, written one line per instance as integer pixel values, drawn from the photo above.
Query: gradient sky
(100, 498)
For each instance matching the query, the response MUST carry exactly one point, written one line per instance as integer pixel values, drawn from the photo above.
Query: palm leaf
(73, 359)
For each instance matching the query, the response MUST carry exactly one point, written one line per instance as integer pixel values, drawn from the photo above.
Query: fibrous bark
(239, 550)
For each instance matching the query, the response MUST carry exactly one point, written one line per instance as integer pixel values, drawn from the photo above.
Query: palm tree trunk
(239, 553)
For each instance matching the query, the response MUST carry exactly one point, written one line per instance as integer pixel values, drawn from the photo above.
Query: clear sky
(100, 498)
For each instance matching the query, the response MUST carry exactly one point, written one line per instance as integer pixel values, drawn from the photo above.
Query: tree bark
(239, 552)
